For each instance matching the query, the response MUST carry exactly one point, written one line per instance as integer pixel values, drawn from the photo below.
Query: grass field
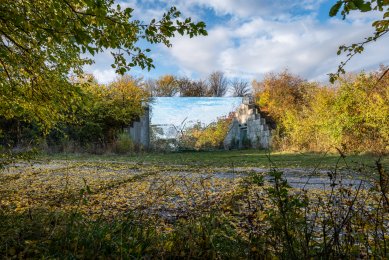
(241, 158)
(193, 204)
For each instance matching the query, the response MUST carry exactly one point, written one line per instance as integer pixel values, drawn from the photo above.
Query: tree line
(352, 115)
(93, 117)
(92, 121)
(215, 85)
(43, 42)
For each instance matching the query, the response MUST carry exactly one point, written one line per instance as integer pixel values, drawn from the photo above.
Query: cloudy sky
(249, 38)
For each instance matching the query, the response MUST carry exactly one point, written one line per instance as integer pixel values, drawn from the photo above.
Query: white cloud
(145, 10)
(250, 49)
(243, 9)
(201, 53)
(258, 37)
(104, 76)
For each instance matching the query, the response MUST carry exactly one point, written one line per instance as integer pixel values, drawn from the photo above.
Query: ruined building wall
(248, 129)
(140, 130)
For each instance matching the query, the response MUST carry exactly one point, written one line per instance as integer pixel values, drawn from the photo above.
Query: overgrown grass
(96, 208)
(235, 158)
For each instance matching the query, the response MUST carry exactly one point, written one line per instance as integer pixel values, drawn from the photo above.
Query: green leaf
(362, 6)
(56, 37)
(335, 8)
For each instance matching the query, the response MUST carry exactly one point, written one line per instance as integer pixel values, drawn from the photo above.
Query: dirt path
(297, 177)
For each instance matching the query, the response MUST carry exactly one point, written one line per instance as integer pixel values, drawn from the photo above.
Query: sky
(185, 111)
(249, 38)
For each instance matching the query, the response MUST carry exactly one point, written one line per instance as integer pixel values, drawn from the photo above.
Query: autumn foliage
(352, 115)
(91, 122)
(206, 137)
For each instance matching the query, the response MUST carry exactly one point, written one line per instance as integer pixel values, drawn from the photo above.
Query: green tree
(313, 128)
(381, 27)
(206, 137)
(126, 100)
(213, 135)
(102, 112)
(113, 107)
(42, 42)
(361, 113)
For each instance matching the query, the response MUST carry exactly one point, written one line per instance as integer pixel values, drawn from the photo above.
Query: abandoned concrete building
(248, 129)
(139, 130)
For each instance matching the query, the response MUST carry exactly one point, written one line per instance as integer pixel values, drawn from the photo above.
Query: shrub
(124, 144)
(354, 115)
(206, 138)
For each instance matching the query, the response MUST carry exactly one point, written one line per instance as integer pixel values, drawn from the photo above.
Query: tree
(206, 137)
(352, 116)
(149, 86)
(104, 111)
(126, 100)
(361, 112)
(166, 86)
(381, 27)
(280, 94)
(190, 88)
(218, 84)
(213, 135)
(200, 88)
(43, 41)
(240, 88)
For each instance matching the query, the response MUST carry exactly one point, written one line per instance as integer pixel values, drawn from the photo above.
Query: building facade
(248, 128)
(139, 130)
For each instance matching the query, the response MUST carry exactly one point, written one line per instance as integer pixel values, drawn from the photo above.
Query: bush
(206, 138)
(124, 144)
(352, 115)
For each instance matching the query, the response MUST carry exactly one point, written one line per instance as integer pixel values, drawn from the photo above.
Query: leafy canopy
(106, 110)
(42, 42)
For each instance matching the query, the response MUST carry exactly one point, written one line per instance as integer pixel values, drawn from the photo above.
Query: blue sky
(180, 111)
(249, 38)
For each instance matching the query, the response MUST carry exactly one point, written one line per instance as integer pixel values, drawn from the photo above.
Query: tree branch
(14, 42)
(6, 71)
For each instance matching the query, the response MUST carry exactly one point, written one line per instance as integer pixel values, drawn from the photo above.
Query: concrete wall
(231, 141)
(248, 120)
(140, 130)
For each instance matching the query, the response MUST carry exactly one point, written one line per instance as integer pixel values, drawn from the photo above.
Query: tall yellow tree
(166, 86)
